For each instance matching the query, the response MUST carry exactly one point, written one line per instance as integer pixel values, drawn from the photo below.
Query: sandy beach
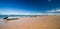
(39, 22)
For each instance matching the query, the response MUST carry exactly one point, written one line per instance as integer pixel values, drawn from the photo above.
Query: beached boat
(11, 18)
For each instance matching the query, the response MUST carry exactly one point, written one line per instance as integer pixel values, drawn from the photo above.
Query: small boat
(11, 18)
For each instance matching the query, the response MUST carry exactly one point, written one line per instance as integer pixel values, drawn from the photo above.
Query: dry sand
(39, 22)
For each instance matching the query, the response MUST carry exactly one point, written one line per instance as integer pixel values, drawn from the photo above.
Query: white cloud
(58, 10)
(51, 10)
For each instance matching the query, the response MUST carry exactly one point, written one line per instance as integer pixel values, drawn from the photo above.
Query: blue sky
(28, 6)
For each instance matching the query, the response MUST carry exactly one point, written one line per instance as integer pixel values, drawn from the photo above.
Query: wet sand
(39, 22)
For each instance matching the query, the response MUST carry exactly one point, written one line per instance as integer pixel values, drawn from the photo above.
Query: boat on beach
(11, 18)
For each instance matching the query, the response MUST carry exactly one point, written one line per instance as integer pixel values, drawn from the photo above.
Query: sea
(2, 16)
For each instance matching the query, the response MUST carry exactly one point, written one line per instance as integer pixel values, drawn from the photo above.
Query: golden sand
(39, 22)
